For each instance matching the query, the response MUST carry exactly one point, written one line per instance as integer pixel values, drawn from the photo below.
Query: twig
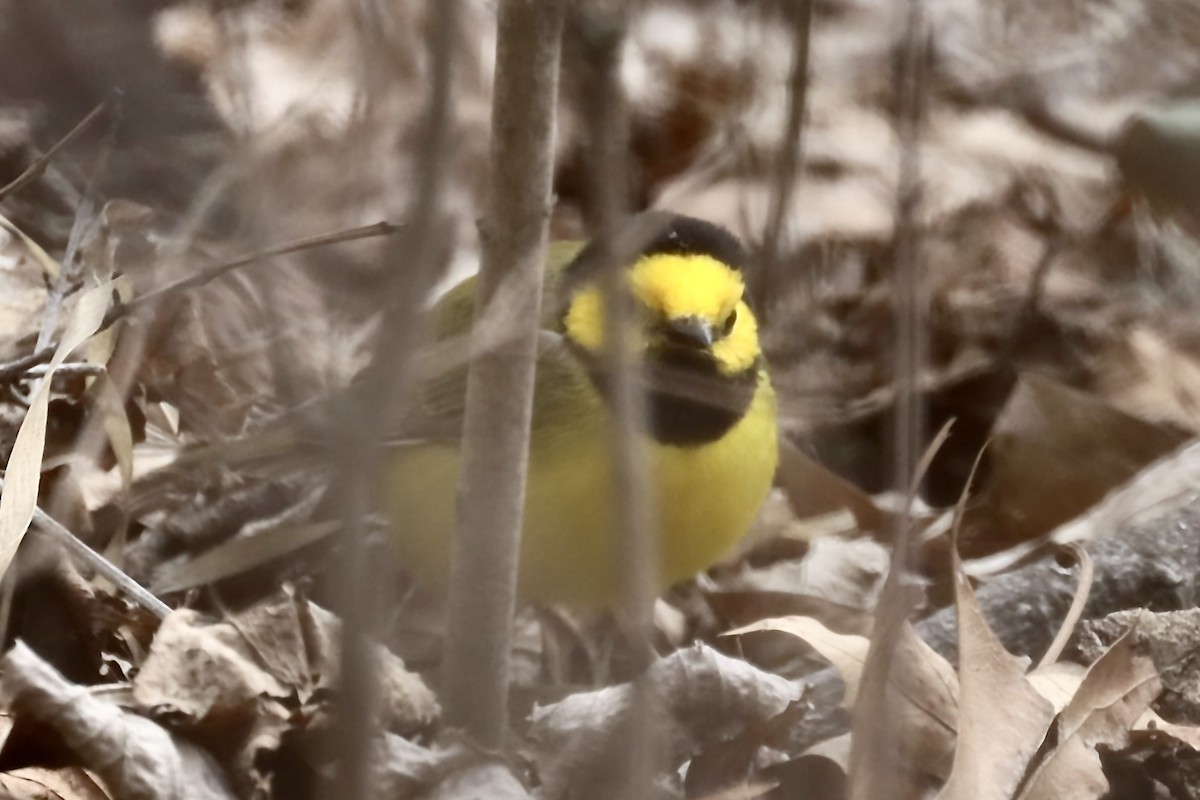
(211, 273)
(789, 158)
(68, 274)
(601, 34)
(875, 750)
(103, 567)
(70, 369)
(38, 167)
(363, 416)
(17, 368)
(483, 578)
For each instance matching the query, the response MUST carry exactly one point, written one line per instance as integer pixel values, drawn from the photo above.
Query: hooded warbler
(710, 427)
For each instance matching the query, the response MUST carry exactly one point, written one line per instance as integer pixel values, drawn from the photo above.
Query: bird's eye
(727, 327)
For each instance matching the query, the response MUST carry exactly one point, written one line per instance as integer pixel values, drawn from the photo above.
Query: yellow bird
(710, 430)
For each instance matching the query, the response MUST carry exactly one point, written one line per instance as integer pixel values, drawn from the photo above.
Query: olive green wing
(560, 384)
(454, 312)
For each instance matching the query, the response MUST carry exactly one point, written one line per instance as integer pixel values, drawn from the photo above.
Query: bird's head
(687, 296)
(689, 323)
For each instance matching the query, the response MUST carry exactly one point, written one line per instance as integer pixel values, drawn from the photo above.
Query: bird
(709, 431)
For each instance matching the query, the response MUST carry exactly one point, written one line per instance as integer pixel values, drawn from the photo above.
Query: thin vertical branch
(499, 398)
(601, 31)
(791, 151)
(876, 741)
(364, 412)
(601, 35)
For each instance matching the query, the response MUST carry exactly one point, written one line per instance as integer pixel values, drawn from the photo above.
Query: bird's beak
(692, 332)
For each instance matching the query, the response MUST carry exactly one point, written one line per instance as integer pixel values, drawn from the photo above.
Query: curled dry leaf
(1116, 691)
(922, 687)
(847, 653)
(1171, 639)
(705, 697)
(136, 758)
(1002, 720)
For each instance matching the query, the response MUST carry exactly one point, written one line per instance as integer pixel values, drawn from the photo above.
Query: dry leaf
(847, 653)
(1002, 719)
(1051, 432)
(1058, 682)
(37, 783)
(492, 781)
(406, 704)
(1113, 695)
(922, 686)
(704, 696)
(202, 672)
(22, 477)
(134, 756)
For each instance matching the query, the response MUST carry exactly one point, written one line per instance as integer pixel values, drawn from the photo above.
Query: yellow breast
(704, 498)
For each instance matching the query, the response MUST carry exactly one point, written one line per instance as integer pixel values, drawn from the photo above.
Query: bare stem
(601, 33)
(789, 159)
(500, 382)
(876, 742)
(35, 170)
(363, 413)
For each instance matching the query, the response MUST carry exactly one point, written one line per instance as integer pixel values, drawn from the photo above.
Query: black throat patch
(688, 402)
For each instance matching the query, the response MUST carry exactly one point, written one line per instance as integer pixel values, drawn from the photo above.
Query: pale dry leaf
(406, 703)
(1058, 682)
(1149, 372)
(39, 783)
(485, 781)
(849, 572)
(257, 545)
(23, 293)
(136, 758)
(846, 653)
(47, 262)
(1114, 693)
(922, 687)
(272, 631)
(704, 697)
(201, 671)
(18, 498)
(1002, 720)
(401, 768)
(923, 695)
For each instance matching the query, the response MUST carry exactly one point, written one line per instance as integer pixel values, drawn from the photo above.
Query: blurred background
(1054, 219)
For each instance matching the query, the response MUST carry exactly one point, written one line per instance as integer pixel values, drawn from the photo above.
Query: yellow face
(692, 301)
